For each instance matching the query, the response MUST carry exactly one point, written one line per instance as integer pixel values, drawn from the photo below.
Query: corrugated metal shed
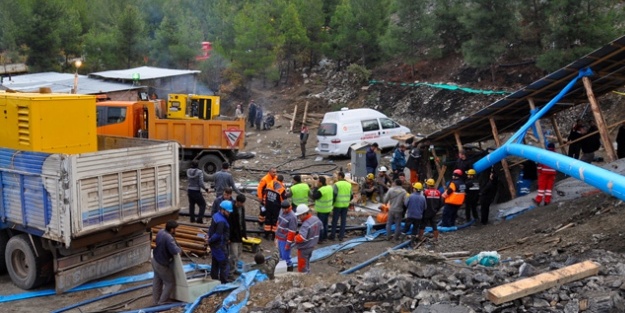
(145, 73)
(511, 112)
(63, 83)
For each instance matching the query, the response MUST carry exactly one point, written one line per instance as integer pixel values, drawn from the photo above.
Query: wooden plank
(596, 112)
(293, 118)
(305, 113)
(540, 282)
(569, 225)
(458, 141)
(455, 254)
(554, 123)
(441, 176)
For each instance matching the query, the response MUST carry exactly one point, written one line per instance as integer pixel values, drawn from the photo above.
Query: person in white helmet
(307, 237)
(383, 181)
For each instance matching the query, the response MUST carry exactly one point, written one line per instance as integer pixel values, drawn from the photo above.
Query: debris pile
(417, 281)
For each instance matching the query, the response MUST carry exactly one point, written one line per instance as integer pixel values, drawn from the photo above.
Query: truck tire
(27, 271)
(210, 164)
(4, 239)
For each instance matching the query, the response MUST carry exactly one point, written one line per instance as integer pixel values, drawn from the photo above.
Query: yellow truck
(209, 139)
(75, 206)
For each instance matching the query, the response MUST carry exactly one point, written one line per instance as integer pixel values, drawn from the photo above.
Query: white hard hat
(382, 169)
(301, 209)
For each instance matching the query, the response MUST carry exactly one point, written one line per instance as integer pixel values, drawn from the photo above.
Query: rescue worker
(395, 198)
(369, 189)
(307, 237)
(259, 117)
(473, 195)
(266, 266)
(462, 163)
(226, 195)
(223, 179)
(263, 184)
(303, 139)
(488, 192)
(195, 178)
(383, 181)
(162, 257)
(218, 237)
(454, 198)
(251, 113)
(324, 197)
(238, 232)
(300, 192)
(273, 200)
(414, 158)
(371, 158)
(343, 195)
(546, 178)
(405, 183)
(433, 200)
(398, 161)
(415, 207)
(287, 227)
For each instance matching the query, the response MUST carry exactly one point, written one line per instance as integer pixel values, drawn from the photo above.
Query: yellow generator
(181, 106)
(45, 122)
(251, 244)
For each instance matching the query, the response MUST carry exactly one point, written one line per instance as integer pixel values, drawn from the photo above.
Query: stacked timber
(191, 238)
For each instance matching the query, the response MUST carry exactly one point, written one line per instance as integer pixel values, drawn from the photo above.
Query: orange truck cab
(211, 142)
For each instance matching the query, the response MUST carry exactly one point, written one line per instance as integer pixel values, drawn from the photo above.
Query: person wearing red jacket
(546, 178)
(307, 237)
(285, 235)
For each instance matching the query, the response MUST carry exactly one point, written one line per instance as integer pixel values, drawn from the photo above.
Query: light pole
(77, 64)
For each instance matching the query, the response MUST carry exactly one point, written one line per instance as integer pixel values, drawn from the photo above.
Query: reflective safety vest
(324, 204)
(300, 194)
(456, 197)
(343, 195)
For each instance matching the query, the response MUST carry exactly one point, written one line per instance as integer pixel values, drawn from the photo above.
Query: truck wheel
(210, 164)
(4, 239)
(27, 271)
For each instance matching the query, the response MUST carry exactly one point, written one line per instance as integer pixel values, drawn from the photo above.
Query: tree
(576, 27)
(492, 27)
(447, 25)
(43, 35)
(70, 34)
(292, 37)
(410, 36)
(130, 37)
(311, 15)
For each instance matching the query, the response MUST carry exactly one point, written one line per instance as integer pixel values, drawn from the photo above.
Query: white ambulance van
(340, 129)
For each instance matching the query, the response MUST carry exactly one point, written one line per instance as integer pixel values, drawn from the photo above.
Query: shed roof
(63, 83)
(512, 111)
(145, 73)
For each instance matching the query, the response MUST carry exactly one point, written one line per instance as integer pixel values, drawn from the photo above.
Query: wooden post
(439, 169)
(504, 162)
(558, 134)
(458, 142)
(293, 118)
(596, 111)
(539, 128)
(305, 113)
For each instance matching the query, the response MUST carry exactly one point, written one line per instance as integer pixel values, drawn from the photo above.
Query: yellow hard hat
(471, 172)
(430, 182)
(418, 186)
(370, 176)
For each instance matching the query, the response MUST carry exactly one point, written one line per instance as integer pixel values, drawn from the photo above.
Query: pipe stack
(191, 238)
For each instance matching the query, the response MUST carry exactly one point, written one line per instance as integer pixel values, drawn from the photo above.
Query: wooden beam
(554, 123)
(504, 162)
(539, 128)
(305, 113)
(596, 111)
(540, 282)
(458, 141)
(293, 119)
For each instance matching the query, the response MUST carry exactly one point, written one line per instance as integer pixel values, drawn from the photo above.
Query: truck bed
(200, 134)
(66, 197)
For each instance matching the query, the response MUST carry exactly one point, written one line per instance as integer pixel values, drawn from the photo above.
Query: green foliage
(410, 35)
(492, 28)
(358, 74)
(130, 36)
(447, 26)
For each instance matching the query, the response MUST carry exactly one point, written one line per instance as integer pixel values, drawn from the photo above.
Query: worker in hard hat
(307, 237)
(415, 207)
(473, 195)
(433, 201)
(368, 190)
(285, 234)
(454, 198)
(218, 237)
(383, 181)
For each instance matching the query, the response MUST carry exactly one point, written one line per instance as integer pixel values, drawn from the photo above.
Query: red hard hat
(458, 172)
